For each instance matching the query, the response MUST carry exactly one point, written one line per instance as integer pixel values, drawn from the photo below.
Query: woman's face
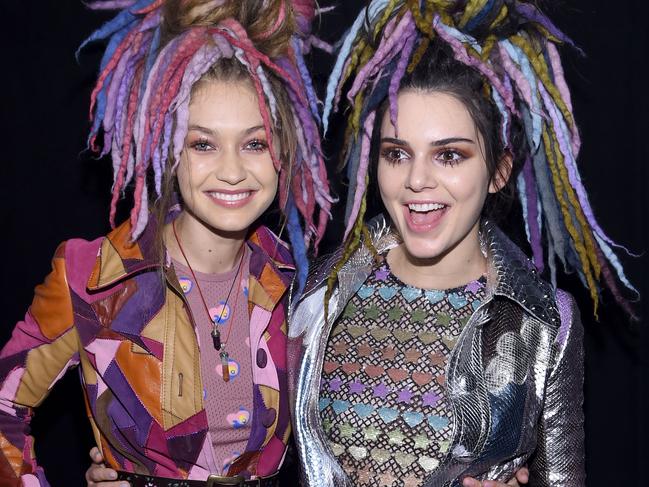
(226, 174)
(432, 174)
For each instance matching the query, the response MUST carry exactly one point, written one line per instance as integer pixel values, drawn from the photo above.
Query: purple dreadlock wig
(512, 46)
(142, 95)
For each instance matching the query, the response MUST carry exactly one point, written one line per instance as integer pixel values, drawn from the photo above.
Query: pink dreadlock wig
(142, 95)
(511, 47)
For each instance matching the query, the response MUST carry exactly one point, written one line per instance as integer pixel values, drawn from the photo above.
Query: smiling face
(226, 174)
(433, 177)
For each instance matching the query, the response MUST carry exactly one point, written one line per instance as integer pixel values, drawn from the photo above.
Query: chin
(422, 250)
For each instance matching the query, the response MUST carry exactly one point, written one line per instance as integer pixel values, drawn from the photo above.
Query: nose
(230, 167)
(421, 175)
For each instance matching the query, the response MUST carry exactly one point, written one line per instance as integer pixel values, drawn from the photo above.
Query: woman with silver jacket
(428, 350)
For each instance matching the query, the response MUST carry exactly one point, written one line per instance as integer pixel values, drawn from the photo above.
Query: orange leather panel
(143, 373)
(52, 305)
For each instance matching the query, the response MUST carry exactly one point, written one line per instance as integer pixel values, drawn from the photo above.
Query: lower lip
(431, 222)
(232, 204)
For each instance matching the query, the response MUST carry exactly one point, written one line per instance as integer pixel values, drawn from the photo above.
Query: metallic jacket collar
(509, 272)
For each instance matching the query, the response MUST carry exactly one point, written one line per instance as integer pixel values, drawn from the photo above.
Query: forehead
(432, 115)
(224, 101)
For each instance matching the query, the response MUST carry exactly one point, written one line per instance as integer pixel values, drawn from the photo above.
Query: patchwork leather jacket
(514, 379)
(111, 307)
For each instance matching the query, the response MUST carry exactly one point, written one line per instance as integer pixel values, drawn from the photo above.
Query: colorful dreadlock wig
(513, 47)
(142, 95)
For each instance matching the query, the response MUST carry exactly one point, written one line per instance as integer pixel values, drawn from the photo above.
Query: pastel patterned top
(228, 404)
(382, 400)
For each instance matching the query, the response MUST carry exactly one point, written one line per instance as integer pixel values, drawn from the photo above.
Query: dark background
(51, 189)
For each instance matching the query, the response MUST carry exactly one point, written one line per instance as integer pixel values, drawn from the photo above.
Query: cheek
(388, 181)
(467, 185)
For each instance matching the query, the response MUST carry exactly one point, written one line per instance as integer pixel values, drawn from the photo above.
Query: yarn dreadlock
(513, 47)
(141, 98)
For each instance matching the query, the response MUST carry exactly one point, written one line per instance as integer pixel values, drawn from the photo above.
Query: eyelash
(263, 146)
(203, 145)
(389, 156)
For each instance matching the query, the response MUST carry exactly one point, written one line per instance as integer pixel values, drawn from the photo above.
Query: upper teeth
(425, 206)
(229, 196)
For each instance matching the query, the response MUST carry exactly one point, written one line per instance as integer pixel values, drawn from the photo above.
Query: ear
(503, 171)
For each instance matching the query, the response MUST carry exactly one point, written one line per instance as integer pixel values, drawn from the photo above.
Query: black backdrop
(51, 189)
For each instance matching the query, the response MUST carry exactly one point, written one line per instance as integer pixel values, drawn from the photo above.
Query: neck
(207, 250)
(459, 265)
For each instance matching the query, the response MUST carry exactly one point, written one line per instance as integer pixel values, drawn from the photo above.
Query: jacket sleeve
(41, 348)
(559, 457)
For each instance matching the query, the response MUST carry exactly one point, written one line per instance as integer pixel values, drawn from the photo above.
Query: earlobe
(503, 172)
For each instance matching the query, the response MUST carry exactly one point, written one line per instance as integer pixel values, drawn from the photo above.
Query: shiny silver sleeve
(559, 458)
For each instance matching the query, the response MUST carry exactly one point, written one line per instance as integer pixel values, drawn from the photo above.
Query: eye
(201, 145)
(450, 157)
(256, 145)
(394, 155)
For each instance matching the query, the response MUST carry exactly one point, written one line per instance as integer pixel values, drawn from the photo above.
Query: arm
(559, 457)
(41, 348)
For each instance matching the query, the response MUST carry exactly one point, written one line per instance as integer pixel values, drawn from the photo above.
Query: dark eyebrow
(435, 143)
(209, 131)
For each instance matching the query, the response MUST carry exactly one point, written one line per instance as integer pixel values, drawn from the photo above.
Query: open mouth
(424, 216)
(230, 199)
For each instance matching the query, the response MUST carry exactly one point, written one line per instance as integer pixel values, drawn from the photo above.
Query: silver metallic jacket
(514, 379)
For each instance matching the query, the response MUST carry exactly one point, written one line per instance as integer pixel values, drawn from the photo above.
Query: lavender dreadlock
(512, 46)
(142, 96)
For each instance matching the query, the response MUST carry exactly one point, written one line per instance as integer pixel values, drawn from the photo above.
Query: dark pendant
(225, 366)
(216, 339)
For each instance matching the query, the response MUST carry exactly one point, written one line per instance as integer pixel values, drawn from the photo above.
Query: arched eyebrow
(434, 143)
(209, 131)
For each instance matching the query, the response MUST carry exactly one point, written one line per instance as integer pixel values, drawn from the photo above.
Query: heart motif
(410, 293)
(329, 367)
(358, 452)
(365, 291)
(441, 379)
(404, 459)
(413, 418)
(380, 455)
(387, 293)
(443, 319)
(364, 350)
(355, 331)
(351, 367)
(374, 370)
(388, 414)
(449, 342)
(403, 335)
(363, 410)
(346, 430)
(336, 331)
(323, 403)
(437, 422)
(422, 378)
(337, 449)
(427, 337)
(476, 304)
(428, 463)
(436, 358)
(397, 375)
(380, 333)
(340, 406)
(457, 301)
(434, 296)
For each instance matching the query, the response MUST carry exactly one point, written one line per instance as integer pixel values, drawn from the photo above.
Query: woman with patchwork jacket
(177, 318)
